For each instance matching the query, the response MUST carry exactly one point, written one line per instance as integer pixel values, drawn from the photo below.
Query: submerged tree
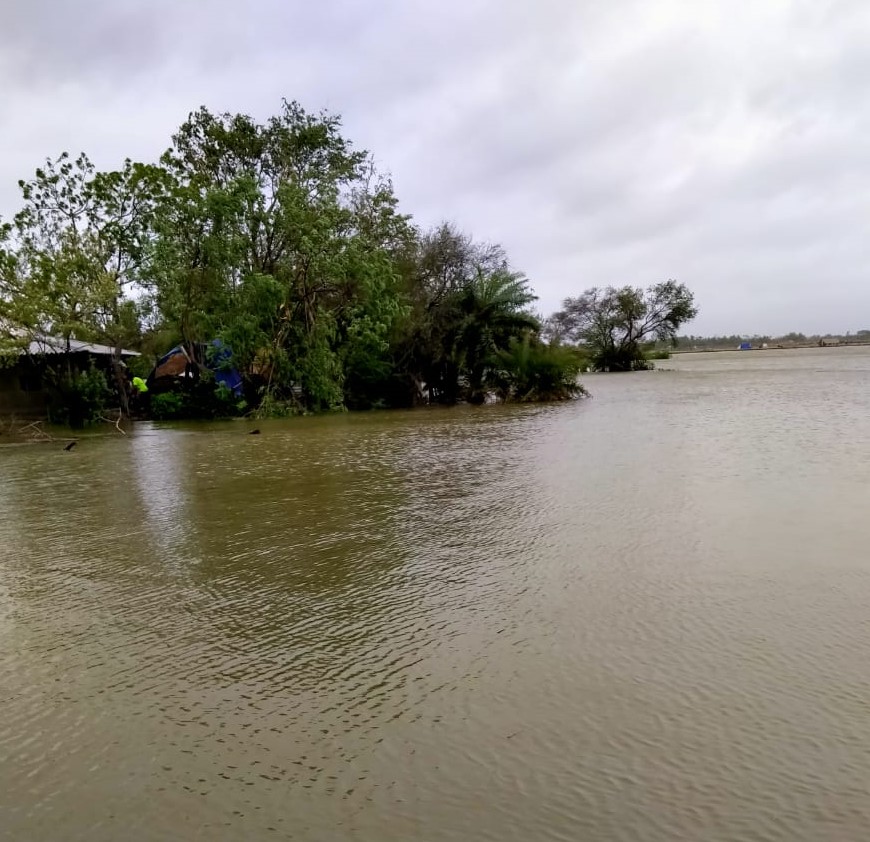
(614, 323)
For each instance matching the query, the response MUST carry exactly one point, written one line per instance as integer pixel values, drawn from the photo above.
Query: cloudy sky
(724, 143)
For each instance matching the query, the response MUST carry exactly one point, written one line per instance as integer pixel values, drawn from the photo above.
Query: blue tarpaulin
(217, 359)
(221, 363)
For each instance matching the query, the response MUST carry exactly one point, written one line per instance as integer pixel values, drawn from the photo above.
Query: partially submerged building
(24, 374)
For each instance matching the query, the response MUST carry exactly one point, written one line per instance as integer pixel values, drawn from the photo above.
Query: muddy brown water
(640, 617)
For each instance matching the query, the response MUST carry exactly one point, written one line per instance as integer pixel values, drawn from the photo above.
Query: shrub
(168, 406)
(202, 398)
(531, 371)
(78, 398)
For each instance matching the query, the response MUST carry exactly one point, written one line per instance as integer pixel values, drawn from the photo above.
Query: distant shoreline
(796, 347)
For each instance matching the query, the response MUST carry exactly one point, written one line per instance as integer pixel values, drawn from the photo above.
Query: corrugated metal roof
(44, 344)
(54, 345)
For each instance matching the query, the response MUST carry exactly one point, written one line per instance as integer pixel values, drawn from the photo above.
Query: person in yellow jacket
(138, 395)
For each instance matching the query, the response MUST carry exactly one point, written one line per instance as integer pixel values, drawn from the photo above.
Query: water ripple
(639, 617)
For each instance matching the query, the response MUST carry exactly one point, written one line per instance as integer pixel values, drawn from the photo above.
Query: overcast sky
(724, 143)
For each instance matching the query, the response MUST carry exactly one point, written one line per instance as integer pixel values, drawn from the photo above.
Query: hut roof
(55, 345)
(42, 343)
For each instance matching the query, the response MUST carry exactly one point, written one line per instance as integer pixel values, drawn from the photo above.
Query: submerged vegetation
(283, 243)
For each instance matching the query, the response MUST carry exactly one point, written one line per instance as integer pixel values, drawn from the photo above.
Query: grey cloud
(44, 41)
(721, 143)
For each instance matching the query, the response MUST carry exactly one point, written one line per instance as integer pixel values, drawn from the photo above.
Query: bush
(78, 398)
(140, 366)
(167, 406)
(532, 371)
(201, 399)
(272, 407)
(628, 358)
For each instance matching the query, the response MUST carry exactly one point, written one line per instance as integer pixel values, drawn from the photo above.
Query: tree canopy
(284, 242)
(614, 323)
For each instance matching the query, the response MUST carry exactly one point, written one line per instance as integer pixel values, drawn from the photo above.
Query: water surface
(643, 616)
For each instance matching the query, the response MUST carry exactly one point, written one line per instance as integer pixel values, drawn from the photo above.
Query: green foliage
(203, 399)
(75, 398)
(75, 252)
(493, 308)
(79, 243)
(279, 238)
(531, 371)
(466, 305)
(614, 323)
(271, 407)
(282, 240)
(140, 366)
(168, 406)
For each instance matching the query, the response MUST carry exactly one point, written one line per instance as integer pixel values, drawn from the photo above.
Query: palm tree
(531, 371)
(493, 308)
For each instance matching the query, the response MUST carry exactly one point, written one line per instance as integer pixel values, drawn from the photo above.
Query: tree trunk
(121, 382)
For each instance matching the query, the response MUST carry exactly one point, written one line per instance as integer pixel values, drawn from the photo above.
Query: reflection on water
(637, 617)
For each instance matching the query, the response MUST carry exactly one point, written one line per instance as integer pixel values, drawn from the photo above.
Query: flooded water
(639, 617)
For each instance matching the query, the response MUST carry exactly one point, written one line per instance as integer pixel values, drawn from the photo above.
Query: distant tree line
(285, 243)
(786, 340)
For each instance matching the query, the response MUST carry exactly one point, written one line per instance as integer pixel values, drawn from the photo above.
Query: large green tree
(79, 244)
(280, 241)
